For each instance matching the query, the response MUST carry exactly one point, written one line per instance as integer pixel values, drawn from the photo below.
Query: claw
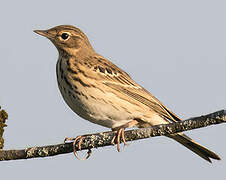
(119, 134)
(79, 139)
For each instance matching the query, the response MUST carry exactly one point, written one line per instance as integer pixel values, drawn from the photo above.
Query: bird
(99, 91)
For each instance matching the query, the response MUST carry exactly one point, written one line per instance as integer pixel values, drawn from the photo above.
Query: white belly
(99, 111)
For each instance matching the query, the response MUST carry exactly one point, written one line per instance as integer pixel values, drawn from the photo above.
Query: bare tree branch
(104, 138)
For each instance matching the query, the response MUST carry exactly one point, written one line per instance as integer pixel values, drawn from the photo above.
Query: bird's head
(67, 39)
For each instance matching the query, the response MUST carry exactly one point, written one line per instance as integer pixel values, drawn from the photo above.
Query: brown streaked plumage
(102, 93)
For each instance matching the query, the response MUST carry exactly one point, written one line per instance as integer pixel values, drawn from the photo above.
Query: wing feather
(119, 80)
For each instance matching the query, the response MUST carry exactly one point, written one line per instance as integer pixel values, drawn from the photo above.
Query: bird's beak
(44, 33)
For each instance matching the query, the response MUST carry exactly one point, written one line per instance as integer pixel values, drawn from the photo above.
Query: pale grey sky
(175, 49)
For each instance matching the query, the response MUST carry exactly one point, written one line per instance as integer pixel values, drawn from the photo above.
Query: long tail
(195, 147)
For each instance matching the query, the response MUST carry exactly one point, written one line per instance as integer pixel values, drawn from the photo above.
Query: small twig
(104, 138)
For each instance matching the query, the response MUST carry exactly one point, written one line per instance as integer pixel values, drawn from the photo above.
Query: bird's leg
(79, 139)
(120, 133)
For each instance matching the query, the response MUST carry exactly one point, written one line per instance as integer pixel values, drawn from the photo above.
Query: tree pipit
(102, 93)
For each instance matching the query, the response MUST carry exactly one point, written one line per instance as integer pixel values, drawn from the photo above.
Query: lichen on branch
(3, 118)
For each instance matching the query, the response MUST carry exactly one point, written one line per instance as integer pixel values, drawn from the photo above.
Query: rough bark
(3, 118)
(104, 138)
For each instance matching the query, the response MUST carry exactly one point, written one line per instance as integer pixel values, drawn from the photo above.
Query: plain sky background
(176, 49)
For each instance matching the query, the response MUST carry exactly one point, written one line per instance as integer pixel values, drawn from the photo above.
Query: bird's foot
(74, 140)
(119, 134)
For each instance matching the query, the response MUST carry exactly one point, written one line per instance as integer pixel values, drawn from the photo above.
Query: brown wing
(119, 80)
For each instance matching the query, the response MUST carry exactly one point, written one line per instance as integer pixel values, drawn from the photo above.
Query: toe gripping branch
(77, 142)
(79, 139)
(120, 133)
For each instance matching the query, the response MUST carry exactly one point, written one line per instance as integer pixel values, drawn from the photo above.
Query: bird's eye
(64, 36)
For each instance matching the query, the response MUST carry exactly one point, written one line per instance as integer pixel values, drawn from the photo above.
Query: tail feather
(195, 147)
